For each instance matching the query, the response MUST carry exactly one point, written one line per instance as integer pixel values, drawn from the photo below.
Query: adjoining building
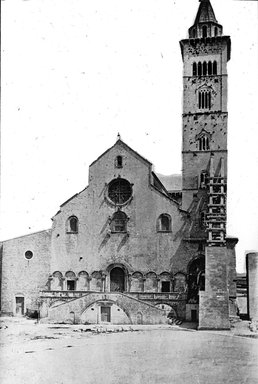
(133, 247)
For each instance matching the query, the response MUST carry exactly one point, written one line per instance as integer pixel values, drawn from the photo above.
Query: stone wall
(214, 301)
(131, 309)
(22, 277)
(142, 248)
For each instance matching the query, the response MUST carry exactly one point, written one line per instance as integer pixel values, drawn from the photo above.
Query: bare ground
(63, 354)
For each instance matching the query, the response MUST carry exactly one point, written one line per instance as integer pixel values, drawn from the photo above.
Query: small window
(119, 222)
(164, 223)
(28, 255)
(204, 143)
(70, 285)
(204, 100)
(204, 68)
(194, 33)
(216, 31)
(73, 224)
(199, 69)
(119, 162)
(214, 67)
(194, 69)
(204, 31)
(165, 286)
(209, 68)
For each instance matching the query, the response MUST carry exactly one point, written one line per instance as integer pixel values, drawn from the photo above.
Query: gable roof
(120, 143)
(171, 182)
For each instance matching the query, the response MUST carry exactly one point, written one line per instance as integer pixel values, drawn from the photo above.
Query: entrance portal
(117, 280)
(105, 314)
(19, 310)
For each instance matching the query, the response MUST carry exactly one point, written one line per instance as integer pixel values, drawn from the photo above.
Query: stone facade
(128, 248)
(23, 278)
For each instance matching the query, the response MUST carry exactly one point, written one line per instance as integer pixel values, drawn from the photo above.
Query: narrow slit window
(119, 162)
(204, 68)
(199, 69)
(209, 68)
(215, 68)
(204, 31)
(194, 69)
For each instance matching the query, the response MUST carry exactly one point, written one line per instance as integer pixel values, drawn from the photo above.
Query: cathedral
(135, 247)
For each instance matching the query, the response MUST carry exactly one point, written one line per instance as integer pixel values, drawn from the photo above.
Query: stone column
(129, 280)
(89, 280)
(252, 285)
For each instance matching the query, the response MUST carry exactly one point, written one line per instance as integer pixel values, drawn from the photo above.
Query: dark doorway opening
(117, 280)
(70, 285)
(165, 286)
(194, 315)
(19, 306)
(105, 314)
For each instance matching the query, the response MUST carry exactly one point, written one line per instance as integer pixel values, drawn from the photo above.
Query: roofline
(28, 234)
(120, 142)
(163, 194)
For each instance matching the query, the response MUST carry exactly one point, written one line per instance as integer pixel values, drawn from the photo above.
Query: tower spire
(205, 24)
(205, 13)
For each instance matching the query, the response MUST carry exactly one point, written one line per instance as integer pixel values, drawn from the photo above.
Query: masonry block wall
(214, 301)
(22, 277)
(143, 248)
(132, 311)
(252, 285)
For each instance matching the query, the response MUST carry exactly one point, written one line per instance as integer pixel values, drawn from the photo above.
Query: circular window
(28, 255)
(119, 191)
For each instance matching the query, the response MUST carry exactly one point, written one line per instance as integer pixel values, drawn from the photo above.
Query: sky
(77, 72)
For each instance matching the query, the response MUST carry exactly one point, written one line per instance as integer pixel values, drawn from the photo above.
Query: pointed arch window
(203, 143)
(204, 68)
(199, 69)
(72, 224)
(119, 222)
(214, 67)
(164, 223)
(194, 69)
(204, 99)
(209, 68)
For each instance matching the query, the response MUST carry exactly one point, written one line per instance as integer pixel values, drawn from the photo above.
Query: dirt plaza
(64, 354)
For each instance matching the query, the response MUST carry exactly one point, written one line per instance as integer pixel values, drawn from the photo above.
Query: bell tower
(204, 153)
(205, 54)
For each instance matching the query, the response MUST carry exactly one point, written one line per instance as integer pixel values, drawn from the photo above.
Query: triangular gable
(120, 143)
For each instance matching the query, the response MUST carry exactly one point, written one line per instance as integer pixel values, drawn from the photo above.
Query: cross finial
(118, 136)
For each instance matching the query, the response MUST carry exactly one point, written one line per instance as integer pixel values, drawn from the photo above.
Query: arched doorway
(117, 280)
(196, 279)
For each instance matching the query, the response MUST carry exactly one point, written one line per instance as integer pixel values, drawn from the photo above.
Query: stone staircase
(72, 309)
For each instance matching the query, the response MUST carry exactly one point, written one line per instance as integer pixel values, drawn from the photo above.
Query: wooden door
(105, 314)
